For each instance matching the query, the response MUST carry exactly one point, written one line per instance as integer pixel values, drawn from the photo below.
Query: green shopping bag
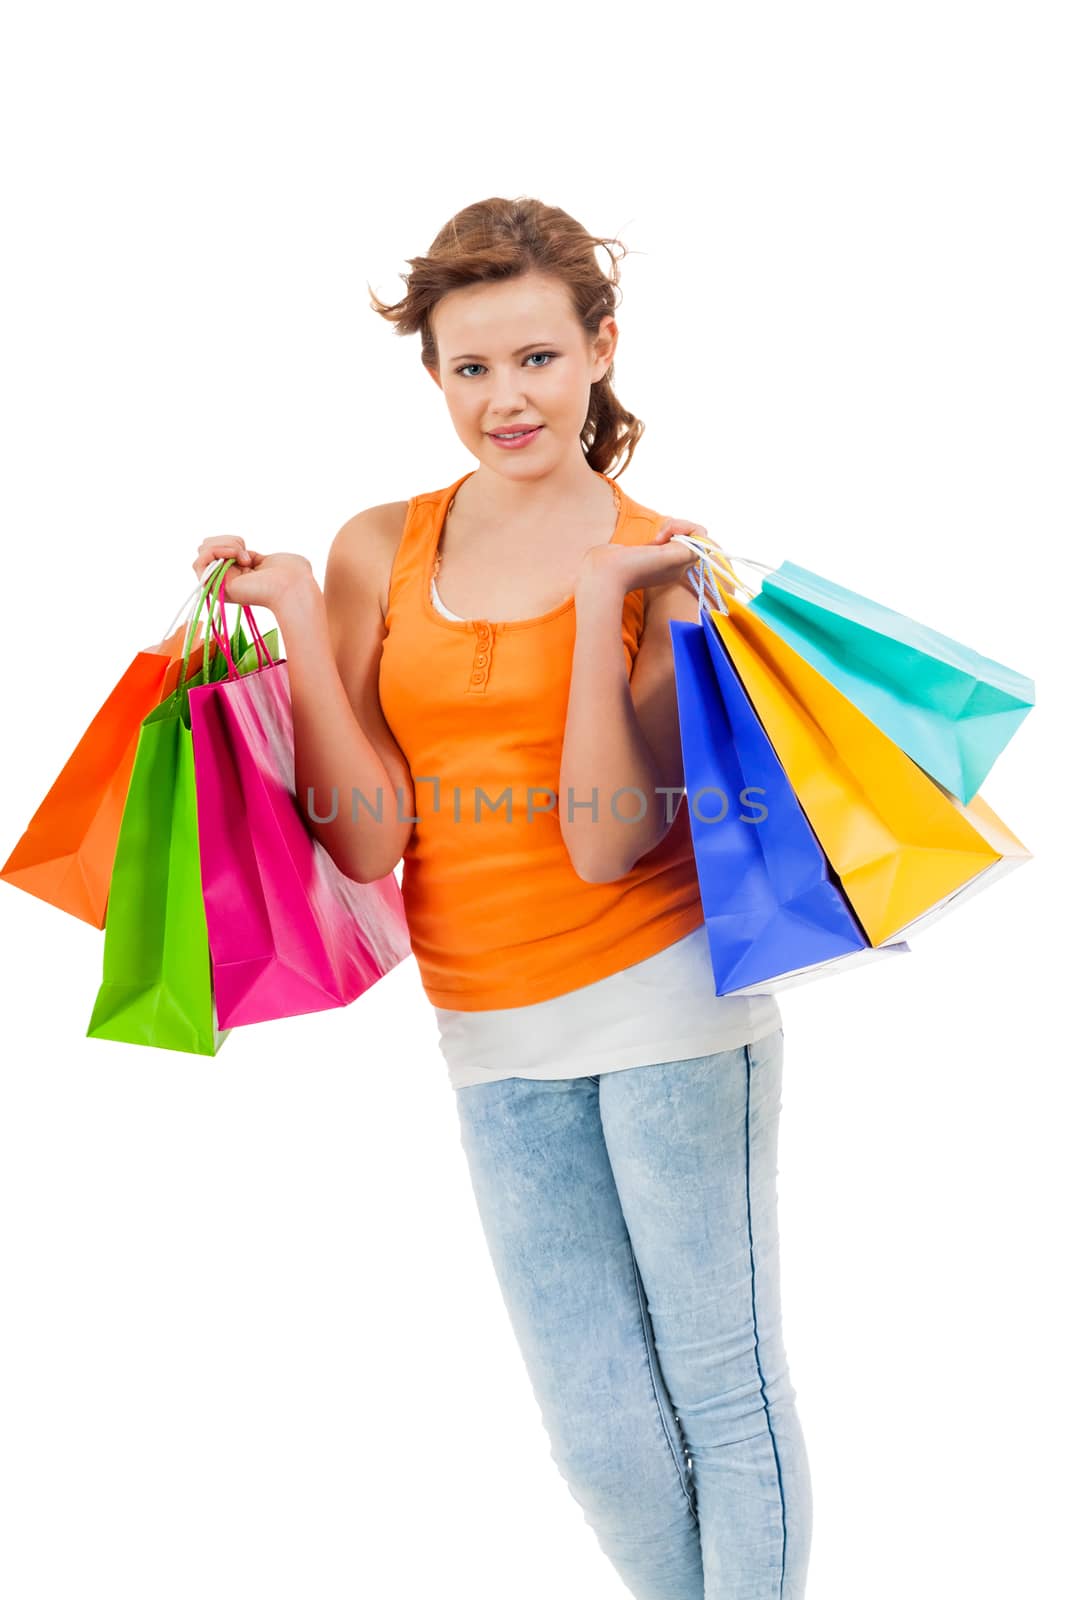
(156, 988)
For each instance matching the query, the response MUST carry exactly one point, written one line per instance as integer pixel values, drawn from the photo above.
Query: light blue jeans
(631, 1219)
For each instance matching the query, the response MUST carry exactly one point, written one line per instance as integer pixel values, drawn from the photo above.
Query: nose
(507, 400)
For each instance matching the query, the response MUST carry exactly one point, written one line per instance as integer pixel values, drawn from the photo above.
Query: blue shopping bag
(774, 910)
(947, 707)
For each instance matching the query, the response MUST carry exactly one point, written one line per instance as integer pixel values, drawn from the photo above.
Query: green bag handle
(215, 623)
(208, 592)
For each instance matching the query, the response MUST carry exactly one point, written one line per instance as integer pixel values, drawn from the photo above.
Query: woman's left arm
(622, 732)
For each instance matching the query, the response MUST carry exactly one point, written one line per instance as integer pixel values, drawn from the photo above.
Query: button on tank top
(498, 917)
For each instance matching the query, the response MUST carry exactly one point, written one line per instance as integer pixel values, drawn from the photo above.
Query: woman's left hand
(645, 566)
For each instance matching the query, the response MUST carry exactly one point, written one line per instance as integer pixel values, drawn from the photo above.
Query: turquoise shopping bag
(949, 708)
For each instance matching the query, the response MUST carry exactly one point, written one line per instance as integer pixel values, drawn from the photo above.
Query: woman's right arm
(333, 642)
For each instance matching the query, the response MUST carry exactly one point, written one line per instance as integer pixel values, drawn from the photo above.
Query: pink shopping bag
(288, 932)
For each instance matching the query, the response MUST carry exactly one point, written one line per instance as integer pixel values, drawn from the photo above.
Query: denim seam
(647, 1330)
(755, 1326)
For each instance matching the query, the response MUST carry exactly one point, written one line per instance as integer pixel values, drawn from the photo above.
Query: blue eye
(551, 354)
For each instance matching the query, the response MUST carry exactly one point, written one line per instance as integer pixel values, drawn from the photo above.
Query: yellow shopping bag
(905, 849)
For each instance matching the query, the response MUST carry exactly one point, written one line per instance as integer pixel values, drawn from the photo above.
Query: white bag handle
(188, 606)
(184, 610)
(714, 561)
(722, 556)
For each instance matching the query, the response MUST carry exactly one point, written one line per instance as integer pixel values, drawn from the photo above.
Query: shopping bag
(774, 911)
(288, 932)
(904, 848)
(951, 709)
(156, 985)
(66, 853)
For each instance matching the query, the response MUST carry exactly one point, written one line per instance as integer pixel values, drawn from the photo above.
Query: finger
(208, 558)
(208, 567)
(221, 549)
(222, 542)
(706, 540)
(680, 525)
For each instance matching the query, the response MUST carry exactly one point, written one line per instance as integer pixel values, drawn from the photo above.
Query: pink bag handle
(222, 636)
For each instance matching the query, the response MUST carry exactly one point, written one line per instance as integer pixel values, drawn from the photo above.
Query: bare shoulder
(366, 545)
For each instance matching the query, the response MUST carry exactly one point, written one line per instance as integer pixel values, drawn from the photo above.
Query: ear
(605, 341)
(433, 374)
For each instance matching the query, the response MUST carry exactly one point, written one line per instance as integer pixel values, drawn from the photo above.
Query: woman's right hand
(254, 580)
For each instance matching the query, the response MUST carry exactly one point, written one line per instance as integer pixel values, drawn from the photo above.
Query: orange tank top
(496, 912)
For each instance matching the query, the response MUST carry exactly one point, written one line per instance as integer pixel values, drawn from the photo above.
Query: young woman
(493, 660)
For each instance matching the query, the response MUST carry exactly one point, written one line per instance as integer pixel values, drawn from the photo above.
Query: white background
(251, 1340)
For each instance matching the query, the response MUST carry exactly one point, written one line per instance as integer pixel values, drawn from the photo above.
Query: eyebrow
(535, 346)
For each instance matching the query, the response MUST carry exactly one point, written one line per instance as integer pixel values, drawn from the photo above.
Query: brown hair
(496, 239)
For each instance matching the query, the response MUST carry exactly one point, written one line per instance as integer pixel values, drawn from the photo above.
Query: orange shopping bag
(906, 850)
(66, 854)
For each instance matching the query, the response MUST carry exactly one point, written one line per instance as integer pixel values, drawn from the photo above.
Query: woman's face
(513, 354)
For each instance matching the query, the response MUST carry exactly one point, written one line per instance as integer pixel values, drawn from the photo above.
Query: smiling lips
(516, 440)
